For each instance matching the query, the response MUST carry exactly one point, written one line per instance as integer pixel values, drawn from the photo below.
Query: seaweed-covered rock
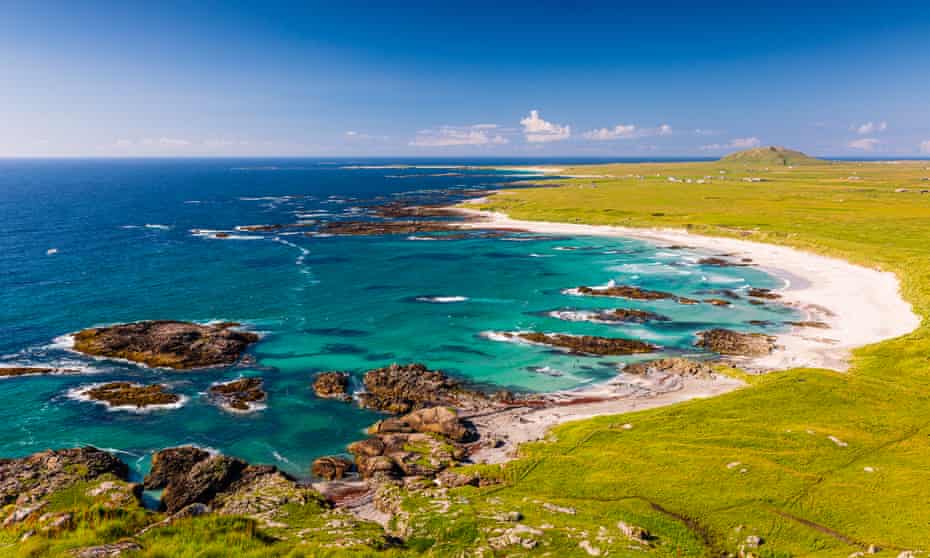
(331, 467)
(12, 371)
(128, 394)
(675, 366)
(332, 385)
(588, 344)
(243, 394)
(28, 479)
(171, 344)
(631, 315)
(625, 291)
(171, 464)
(401, 388)
(729, 342)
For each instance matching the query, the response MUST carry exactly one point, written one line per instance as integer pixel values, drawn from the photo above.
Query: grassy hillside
(770, 156)
(706, 477)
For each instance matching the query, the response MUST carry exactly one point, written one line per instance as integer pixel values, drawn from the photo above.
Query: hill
(772, 155)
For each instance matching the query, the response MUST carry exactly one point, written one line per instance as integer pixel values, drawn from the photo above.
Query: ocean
(91, 242)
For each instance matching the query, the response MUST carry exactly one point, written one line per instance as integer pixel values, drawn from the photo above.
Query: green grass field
(674, 472)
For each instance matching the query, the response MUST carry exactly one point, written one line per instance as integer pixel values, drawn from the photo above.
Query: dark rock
(365, 228)
(588, 344)
(728, 342)
(171, 344)
(676, 366)
(809, 323)
(10, 371)
(757, 292)
(719, 262)
(717, 301)
(127, 394)
(31, 478)
(243, 394)
(202, 483)
(625, 291)
(332, 385)
(172, 464)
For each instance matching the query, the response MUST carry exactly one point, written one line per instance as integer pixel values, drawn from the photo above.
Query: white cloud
(538, 130)
(617, 132)
(446, 136)
(123, 142)
(864, 144)
(351, 133)
(173, 142)
(735, 143)
(626, 131)
(871, 127)
(925, 146)
(745, 143)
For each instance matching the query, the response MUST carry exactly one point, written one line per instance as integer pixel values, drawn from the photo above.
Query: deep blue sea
(90, 242)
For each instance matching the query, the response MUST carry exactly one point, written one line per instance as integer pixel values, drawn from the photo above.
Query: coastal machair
(464, 279)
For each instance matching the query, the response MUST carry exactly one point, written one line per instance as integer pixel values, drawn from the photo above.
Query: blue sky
(463, 78)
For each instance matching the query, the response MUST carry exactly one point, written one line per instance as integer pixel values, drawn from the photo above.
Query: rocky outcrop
(587, 344)
(405, 454)
(630, 292)
(717, 301)
(719, 262)
(630, 315)
(332, 385)
(111, 550)
(395, 210)
(29, 479)
(191, 476)
(625, 291)
(728, 342)
(171, 344)
(127, 394)
(367, 228)
(401, 388)
(676, 366)
(11, 371)
(810, 323)
(172, 463)
(443, 421)
(244, 394)
(331, 467)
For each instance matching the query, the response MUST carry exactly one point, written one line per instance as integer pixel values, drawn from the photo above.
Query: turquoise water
(321, 303)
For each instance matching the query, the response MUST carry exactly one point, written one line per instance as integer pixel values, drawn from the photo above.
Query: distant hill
(772, 156)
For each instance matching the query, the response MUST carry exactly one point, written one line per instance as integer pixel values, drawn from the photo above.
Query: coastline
(861, 306)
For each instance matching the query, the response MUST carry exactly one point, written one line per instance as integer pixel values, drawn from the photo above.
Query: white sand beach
(860, 305)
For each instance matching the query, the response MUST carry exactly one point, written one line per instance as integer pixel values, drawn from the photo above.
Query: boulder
(171, 344)
(728, 342)
(332, 385)
(202, 483)
(436, 420)
(331, 467)
(171, 464)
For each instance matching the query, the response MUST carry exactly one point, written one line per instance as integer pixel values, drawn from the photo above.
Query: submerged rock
(332, 385)
(127, 394)
(676, 366)
(171, 344)
(28, 479)
(243, 394)
(728, 342)
(588, 344)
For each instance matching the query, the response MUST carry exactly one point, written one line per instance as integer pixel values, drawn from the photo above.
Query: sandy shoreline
(861, 306)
